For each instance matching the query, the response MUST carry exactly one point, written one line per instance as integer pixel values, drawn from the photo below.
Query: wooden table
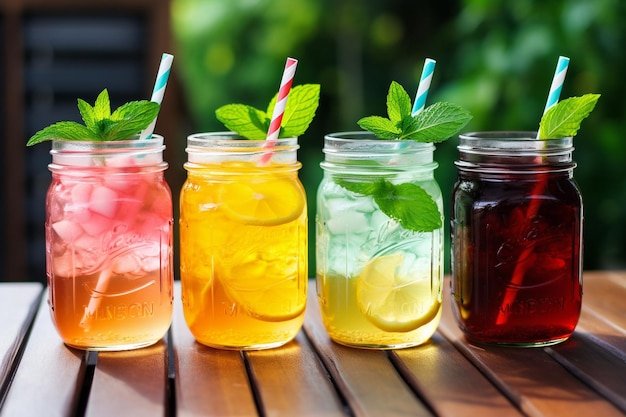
(312, 376)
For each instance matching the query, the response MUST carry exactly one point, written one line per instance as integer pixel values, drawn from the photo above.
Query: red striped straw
(279, 108)
(520, 266)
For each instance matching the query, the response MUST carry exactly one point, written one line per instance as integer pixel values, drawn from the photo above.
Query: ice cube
(126, 264)
(80, 194)
(120, 161)
(343, 258)
(151, 264)
(85, 245)
(103, 201)
(96, 224)
(346, 222)
(67, 231)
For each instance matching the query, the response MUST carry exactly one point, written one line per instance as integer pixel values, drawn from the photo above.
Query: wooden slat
(596, 366)
(601, 290)
(603, 332)
(291, 382)
(47, 380)
(18, 304)
(367, 379)
(535, 382)
(130, 380)
(452, 385)
(209, 382)
(603, 297)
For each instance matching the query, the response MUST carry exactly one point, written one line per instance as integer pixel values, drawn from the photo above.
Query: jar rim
(202, 139)
(520, 143)
(218, 147)
(79, 146)
(368, 142)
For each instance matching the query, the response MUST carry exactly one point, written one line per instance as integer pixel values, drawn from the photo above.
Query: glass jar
(516, 239)
(378, 281)
(243, 241)
(109, 243)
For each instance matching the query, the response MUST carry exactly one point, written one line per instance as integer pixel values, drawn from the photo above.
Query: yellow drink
(379, 282)
(379, 309)
(243, 238)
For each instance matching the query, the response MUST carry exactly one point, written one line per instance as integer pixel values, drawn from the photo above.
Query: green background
(494, 57)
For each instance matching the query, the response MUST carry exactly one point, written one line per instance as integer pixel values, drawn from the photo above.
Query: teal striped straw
(159, 90)
(424, 85)
(557, 82)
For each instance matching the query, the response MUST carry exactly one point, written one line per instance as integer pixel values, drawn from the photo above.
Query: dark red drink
(516, 243)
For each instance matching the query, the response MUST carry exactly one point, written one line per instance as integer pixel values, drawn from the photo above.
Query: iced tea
(516, 237)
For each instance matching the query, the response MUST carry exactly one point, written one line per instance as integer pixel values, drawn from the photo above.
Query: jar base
(376, 346)
(261, 346)
(535, 344)
(114, 348)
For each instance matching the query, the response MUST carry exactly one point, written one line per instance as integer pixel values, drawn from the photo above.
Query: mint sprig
(407, 203)
(436, 123)
(252, 123)
(100, 124)
(564, 118)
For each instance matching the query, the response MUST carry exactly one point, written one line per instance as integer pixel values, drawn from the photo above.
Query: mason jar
(517, 221)
(109, 243)
(379, 278)
(243, 241)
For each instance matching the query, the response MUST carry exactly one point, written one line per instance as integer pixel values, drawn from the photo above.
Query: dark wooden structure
(51, 53)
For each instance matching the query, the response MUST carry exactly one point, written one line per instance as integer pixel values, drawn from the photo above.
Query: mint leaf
(130, 118)
(87, 113)
(380, 126)
(564, 118)
(410, 205)
(252, 123)
(300, 109)
(100, 111)
(244, 120)
(366, 188)
(102, 106)
(398, 103)
(62, 130)
(435, 124)
(100, 125)
(407, 203)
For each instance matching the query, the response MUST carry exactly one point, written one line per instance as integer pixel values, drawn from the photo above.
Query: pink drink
(109, 239)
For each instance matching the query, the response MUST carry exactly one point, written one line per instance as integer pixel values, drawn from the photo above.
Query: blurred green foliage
(494, 57)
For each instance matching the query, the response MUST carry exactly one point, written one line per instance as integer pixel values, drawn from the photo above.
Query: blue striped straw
(424, 85)
(557, 82)
(159, 90)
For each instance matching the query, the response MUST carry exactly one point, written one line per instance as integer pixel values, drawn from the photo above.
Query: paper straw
(424, 85)
(279, 108)
(159, 90)
(281, 100)
(520, 267)
(96, 298)
(105, 275)
(557, 82)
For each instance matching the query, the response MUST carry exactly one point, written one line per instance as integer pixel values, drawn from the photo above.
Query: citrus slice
(267, 290)
(262, 202)
(392, 302)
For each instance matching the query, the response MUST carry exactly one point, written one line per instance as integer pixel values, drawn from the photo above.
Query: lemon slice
(267, 290)
(391, 302)
(262, 202)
